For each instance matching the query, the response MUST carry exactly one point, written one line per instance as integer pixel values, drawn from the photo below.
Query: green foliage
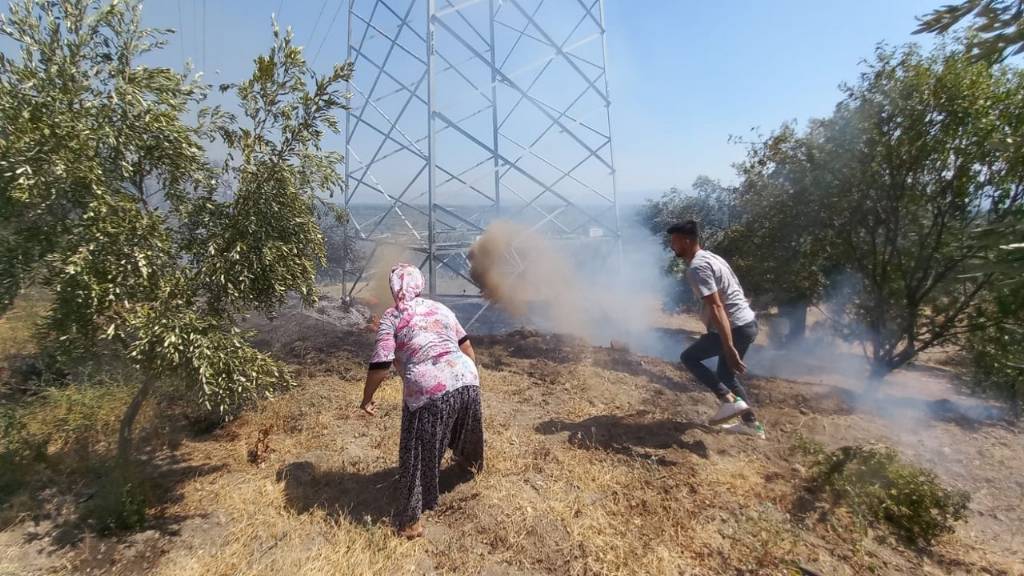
(806, 447)
(903, 206)
(997, 26)
(768, 227)
(342, 250)
(997, 353)
(107, 198)
(776, 245)
(907, 173)
(711, 204)
(876, 485)
(996, 32)
(119, 503)
(270, 235)
(1003, 242)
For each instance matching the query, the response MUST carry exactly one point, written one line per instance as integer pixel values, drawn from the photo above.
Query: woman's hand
(369, 406)
(373, 381)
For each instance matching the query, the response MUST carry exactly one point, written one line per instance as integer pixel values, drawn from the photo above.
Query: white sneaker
(755, 429)
(729, 410)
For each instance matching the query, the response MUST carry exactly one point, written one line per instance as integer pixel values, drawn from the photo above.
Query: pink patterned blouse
(423, 340)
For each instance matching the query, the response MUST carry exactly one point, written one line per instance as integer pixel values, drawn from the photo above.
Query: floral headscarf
(406, 284)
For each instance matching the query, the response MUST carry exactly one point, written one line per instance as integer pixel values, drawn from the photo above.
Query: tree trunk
(796, 316)
(124, 434)
(879, 370)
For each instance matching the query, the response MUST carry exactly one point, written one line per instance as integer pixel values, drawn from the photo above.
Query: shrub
(20, 453)
(876, 485)
(996, 355)
(65, 434)
(119, 503)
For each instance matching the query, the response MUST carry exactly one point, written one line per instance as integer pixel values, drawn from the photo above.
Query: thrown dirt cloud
(527, 277)
(580, 289)
(378, 293)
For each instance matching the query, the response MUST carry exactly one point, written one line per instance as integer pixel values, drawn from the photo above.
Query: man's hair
(689, 229)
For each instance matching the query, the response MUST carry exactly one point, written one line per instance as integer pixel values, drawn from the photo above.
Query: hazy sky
(685, 75)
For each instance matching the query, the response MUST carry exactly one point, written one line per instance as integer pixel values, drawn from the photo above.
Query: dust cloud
(524, 275)
(378, 291)
(582, 289)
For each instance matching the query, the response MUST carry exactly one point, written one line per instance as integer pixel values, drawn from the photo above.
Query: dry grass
(592, 467)
(17, 324)
(540, 505)
(595, 515)
(263, 536)
(611, 488)
(258, 530)
(81, 416)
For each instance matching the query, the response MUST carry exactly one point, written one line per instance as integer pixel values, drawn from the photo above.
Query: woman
(440, 390)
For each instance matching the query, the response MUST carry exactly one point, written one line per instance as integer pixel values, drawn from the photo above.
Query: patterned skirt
(451, 420)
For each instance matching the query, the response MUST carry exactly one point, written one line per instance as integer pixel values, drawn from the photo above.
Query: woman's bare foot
(412, 531)
(466, 467)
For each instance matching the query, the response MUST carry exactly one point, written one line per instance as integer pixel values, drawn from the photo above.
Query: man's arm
(721, 322)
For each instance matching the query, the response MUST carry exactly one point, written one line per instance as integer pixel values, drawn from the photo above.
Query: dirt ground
(597, 462)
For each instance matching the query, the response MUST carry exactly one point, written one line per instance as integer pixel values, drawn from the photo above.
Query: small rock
(147, 535)
(299, 472)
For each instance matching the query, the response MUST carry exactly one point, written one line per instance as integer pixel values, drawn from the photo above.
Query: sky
(684, 75)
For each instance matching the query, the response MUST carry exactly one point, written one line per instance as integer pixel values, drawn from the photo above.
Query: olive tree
(109, 201)
(996, 26)
(769, 227)
(908, 172)
(996, 33)
(710, 203)
(779, 244)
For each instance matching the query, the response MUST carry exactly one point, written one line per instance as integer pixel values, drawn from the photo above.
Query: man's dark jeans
(724, 380)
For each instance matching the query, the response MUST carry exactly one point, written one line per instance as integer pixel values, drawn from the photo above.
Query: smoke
(589, 289)
(378, 291)
(586, 291)
(913, 402)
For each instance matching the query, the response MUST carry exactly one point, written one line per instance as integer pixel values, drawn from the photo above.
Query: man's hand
(734, 360)
(369, 406)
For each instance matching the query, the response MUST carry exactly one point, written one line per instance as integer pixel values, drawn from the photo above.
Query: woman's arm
(467, 348)
(374, 378)
(381, 361)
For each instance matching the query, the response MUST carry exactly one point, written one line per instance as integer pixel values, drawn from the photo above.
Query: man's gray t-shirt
(709, 273)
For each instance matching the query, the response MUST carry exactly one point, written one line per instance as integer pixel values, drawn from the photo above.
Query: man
(731, 329)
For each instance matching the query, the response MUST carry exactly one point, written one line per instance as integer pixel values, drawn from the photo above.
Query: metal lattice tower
(464, 111)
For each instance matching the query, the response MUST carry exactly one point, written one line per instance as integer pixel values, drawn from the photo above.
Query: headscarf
(406, 284)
